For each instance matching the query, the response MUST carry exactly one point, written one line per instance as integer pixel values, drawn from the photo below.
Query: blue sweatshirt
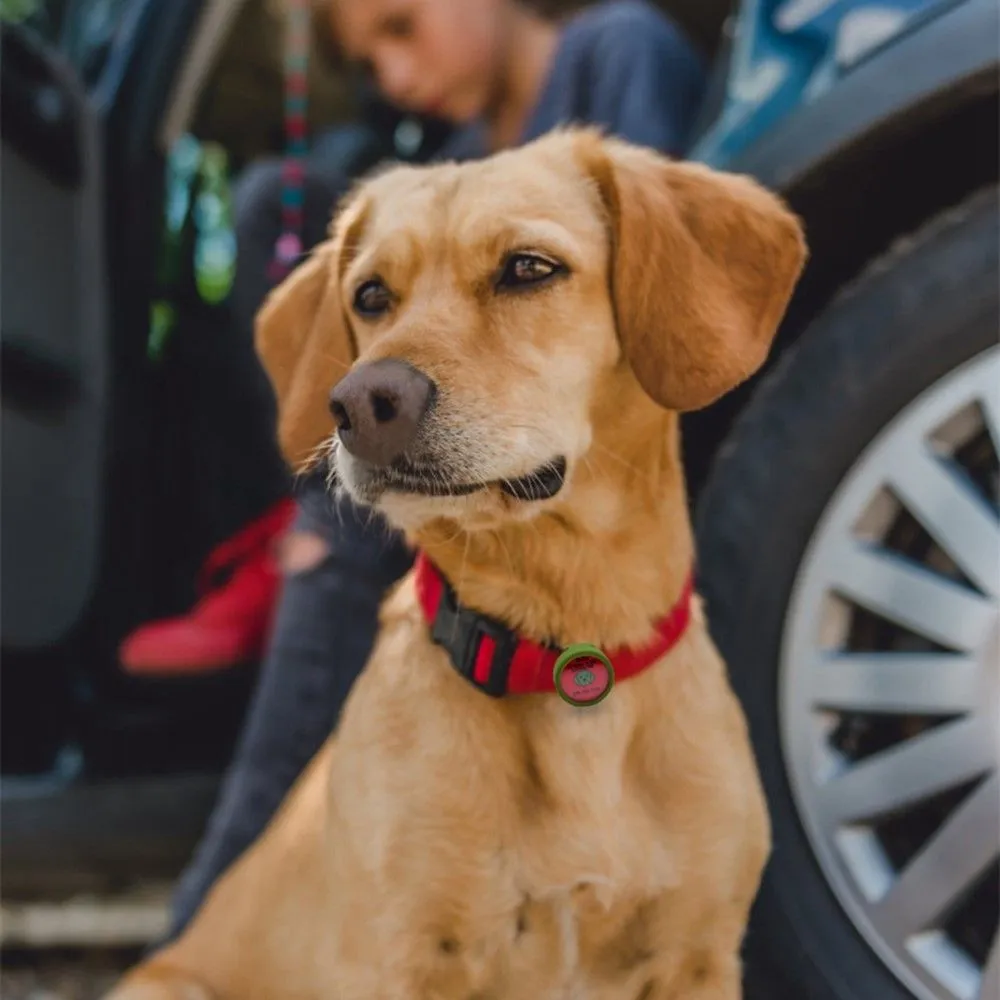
(621, 64)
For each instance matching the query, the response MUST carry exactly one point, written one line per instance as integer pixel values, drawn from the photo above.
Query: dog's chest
(588, 942)
(513, 860)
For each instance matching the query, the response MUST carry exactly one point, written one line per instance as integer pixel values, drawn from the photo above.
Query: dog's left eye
(372, 298)
(523, 269)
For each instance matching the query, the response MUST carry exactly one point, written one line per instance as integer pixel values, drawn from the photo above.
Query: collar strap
(497, 661)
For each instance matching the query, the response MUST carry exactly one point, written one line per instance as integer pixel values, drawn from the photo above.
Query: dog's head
(469, 333)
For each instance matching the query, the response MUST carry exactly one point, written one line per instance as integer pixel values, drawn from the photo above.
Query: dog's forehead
(466, 201)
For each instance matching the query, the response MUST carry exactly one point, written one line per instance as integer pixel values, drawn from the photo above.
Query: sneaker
(230, 623)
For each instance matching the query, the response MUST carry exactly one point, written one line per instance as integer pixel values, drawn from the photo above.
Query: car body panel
(808, 77)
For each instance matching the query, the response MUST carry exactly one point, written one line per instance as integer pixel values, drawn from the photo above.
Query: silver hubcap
(890, 689)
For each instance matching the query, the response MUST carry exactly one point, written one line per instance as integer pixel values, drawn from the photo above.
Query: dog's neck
(604, 563)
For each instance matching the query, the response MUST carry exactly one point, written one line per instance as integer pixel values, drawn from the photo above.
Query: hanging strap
(288, 249)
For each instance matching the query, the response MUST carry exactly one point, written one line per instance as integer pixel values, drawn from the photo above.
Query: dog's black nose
(378, 408)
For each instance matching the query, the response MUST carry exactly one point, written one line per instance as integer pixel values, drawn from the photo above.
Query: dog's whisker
(616, 457)
(498, 535)
(459, 531)
(589, 466)
(339, 362)
(645, 478)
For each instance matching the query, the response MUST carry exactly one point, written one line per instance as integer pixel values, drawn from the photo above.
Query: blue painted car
(846, 498)
(848, 529)
(788, 53)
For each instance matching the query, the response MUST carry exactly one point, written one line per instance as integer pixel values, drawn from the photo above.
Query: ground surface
(62, 976)
(77, 949)
(88, 976)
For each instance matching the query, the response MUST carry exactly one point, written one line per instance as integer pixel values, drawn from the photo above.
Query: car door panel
(53, 329)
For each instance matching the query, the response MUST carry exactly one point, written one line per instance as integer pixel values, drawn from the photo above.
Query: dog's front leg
(159, 981)
(703, 978)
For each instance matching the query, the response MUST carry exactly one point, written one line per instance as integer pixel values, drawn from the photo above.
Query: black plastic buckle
(461, 632)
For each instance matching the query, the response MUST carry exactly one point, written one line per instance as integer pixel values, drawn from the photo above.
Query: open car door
(104, 775)
(53, 327)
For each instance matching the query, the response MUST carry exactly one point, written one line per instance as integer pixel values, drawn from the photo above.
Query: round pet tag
(583, 675)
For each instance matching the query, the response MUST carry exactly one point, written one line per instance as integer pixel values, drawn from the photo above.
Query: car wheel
(850, 561)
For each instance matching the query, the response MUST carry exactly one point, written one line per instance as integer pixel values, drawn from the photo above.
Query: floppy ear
(305, 344)
(704, 265)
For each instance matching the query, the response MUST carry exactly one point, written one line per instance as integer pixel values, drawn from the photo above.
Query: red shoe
(231, 622)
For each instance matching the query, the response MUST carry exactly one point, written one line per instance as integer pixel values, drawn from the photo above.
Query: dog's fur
(445, 845)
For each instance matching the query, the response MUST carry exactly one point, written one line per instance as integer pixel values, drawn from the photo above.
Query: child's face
(435, 57)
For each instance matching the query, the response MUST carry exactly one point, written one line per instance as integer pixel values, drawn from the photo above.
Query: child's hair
(555, 8)
(328, 44)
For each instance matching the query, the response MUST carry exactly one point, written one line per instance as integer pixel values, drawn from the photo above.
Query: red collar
(498, 662)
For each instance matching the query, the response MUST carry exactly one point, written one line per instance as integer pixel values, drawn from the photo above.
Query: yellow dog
(503, 813)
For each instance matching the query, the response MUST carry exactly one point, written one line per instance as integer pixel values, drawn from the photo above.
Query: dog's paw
(158, 983)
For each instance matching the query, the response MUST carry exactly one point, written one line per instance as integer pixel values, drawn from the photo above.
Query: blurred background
(846, 499)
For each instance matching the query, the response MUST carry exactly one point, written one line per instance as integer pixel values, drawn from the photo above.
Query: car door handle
(34, 379)
(37, 115)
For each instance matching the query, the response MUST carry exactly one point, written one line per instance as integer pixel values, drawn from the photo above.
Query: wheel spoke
(922, 683)
(948, 864)
(913, 597)
(952, 511)
(989, 986)
(940, 759)
(989, 402)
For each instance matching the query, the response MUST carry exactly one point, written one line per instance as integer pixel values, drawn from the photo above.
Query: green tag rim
(575, 652)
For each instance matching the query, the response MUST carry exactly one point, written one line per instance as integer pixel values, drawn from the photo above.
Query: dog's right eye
(372, 298)
(523, 270)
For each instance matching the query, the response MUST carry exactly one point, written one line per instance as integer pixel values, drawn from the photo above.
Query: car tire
(917, 314)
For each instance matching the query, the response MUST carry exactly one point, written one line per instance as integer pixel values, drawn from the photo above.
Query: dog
(541, 786)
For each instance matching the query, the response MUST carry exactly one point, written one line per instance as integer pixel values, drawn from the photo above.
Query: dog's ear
(704, 265)
(305, 344)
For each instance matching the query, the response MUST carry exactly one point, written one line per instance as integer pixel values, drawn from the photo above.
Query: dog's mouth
(543, 483)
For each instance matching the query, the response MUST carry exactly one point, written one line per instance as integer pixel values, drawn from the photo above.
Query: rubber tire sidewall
(929, 306)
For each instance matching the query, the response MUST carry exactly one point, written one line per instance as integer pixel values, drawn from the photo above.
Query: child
(503, 75)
